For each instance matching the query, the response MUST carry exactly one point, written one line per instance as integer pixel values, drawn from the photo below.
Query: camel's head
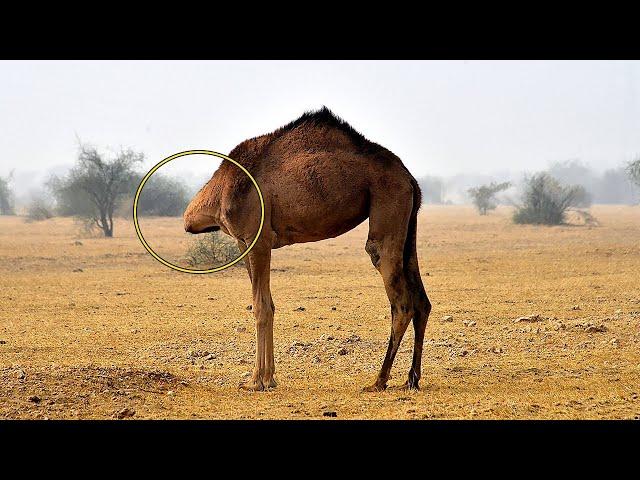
(202, 214)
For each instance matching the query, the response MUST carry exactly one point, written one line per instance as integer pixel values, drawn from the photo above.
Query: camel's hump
(324, 117)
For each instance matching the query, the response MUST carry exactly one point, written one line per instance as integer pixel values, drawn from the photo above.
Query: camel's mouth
(213, 228)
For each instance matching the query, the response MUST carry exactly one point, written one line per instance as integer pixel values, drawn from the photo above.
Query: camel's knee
(372, 247)
(423, 305)
(263, 312)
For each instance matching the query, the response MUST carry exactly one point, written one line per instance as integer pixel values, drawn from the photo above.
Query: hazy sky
(440, 117)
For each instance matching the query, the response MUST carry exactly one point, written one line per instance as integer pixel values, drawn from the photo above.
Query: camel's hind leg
(422, 308)
(388, 222)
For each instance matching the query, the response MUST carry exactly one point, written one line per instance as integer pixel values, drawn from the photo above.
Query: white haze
(440, 117)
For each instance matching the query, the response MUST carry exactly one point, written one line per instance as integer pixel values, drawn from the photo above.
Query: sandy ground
(96, 328)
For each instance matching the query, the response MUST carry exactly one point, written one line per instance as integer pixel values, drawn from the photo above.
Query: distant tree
(546, 200)
(94, 185)
(7, 200)
(615, 186)
(483, 197)
(162, 196)
(432, 189)
(633, 170)
(582, 197)
(573, 172)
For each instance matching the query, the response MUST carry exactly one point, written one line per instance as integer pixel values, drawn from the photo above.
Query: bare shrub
(39, 209)
(546, 201)
(211, 250)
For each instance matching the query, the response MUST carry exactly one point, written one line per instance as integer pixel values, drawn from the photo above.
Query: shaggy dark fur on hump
(325, 117)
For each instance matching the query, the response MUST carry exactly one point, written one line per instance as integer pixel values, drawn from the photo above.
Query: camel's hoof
(375, 388)
(252, 386)
(406, 386)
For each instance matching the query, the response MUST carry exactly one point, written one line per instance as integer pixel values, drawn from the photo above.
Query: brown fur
(319, 178)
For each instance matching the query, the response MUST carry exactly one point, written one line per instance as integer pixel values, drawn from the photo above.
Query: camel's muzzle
(191, 228)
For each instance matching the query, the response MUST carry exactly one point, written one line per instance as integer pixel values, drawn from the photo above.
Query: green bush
(164, 197)
(545, 201)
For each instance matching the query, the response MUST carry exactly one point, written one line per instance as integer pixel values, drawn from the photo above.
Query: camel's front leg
(259, 265)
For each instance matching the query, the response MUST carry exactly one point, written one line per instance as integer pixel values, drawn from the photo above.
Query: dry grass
(126, 332)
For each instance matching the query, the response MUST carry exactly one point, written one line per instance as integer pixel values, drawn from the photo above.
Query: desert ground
(96, 328)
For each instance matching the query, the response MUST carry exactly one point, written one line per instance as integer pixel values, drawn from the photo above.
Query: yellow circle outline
(167, 160)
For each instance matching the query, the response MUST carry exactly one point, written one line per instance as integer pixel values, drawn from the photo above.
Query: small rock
(20, 375)
(241, 329)
(447, 318)
(170, 393)
(529, 318)
(334, 308)
(3, 342)
(77, 243)
(352, 339)
(615, 343)
(135, 330)
(211, 356)
(342, 351)
(575, 307)
(618, 312)
(125, 413)
(78, 270)
(299, 309)
(330, 414)
(595, 328)
(249, 307)
(469, 323)
(34, 399)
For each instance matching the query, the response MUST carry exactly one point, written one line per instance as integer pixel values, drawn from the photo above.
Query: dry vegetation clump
(211, 250)
(546, 201)
(39, 209)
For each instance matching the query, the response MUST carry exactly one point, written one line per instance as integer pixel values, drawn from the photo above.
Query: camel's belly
(304, 224)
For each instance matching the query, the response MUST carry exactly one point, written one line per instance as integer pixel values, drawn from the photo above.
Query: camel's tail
(421, 303)
(410, 250)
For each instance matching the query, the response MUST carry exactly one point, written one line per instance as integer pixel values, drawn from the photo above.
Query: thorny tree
(484, 196)
(93, 187)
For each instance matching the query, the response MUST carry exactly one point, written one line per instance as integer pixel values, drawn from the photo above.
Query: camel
(320, 178)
